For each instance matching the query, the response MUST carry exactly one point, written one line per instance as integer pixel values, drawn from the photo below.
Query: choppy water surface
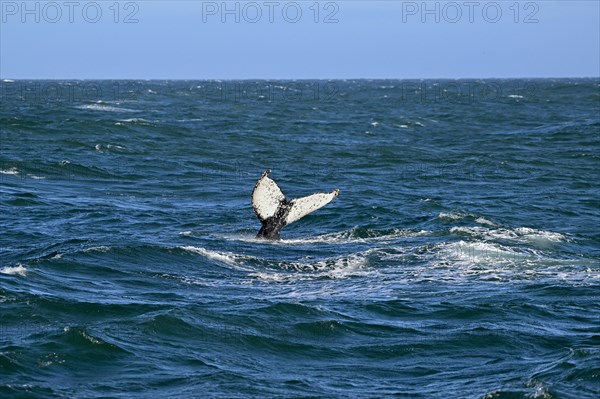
(460, 260)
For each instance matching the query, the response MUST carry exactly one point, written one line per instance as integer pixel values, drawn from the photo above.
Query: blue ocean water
(461, 259)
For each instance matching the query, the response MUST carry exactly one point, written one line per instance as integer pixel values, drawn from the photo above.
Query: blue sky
(303, 39)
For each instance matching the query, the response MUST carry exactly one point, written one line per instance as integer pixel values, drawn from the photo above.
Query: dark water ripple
(460, 260)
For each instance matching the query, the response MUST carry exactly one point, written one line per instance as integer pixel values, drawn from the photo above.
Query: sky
(271, 39)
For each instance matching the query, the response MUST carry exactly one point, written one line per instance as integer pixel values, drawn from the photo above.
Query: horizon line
(14, 79)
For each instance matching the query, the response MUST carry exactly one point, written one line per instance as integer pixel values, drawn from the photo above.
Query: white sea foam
(229, 258)
(10, 171)
(478, 251)
(341, 267)
(538, 238)
(482, 220)
(18, 270)
(462, 215)
(275, 277)
(450, 216)
(90, 338)
(535, 236)
(50, 359)
(36, 177)
(101, 248)
(135, 120)
(102, 148)
(463, 261)
(341, 237)
(484, 232)
(274, 269)
(84, 334)
(104, 108)
(341, 263)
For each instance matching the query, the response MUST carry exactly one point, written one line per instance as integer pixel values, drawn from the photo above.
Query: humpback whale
(275, 212)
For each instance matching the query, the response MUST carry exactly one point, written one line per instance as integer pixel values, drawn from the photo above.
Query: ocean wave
(104, 108)
(541, 239)
(451, 216)
(353, 235)
(277, 269)
(541, 236)
(14, 172)
(105, 148)
(101, 248)
(90, 338)
(357, 235)
(335, 268)
(335, 264)
(228, 258)
(140, 121)
(80, 338)
(484, 260)
(18, 270)
(9, 171)
(66, 168)
(482, 220)
(477, 252)
(454, 216)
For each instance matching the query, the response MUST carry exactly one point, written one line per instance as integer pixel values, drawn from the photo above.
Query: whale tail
(275, 212)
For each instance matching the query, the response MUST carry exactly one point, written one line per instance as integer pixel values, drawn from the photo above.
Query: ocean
(460, 260)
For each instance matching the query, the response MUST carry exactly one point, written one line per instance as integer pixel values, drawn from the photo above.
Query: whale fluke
(275, 212)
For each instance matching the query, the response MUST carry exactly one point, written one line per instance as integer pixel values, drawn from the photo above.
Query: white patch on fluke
(266, 197)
